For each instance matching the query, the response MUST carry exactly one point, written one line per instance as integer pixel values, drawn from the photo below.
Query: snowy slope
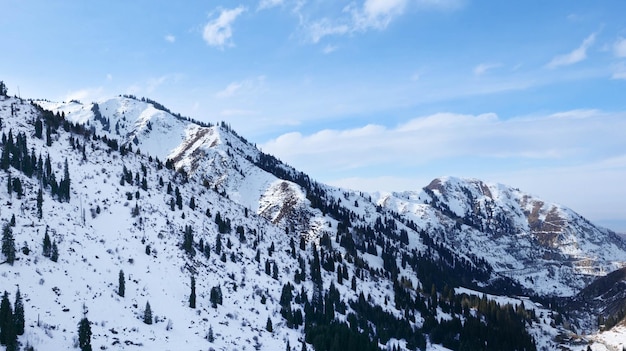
(108, 225)
(544, 246)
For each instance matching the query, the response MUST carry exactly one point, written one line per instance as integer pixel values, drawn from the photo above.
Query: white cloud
(85, 95)
(448, 136)
(170, 38)
(236, 88)
(484, 67)
(325, 27)
(218, 32)
(329, 49)
(267, 4)
(619, 71)
(109, 77)
(378, 13)
(579, 54)
(619, 47)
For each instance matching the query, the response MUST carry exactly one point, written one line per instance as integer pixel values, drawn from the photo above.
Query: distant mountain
(547, 248)
(132, 195)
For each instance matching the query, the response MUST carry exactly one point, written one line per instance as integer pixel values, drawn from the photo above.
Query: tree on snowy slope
(8, 335)
(47, 244)
(18, 313)
(192, 295)
(84, 334)
(8, 244)
(147, 314)
(121, 290)
(3, 89)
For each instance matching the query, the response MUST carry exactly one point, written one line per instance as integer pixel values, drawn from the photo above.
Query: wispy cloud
(85, 95)
(267, 4)
(329, 49)
(170, 38)
(446, 136)
(577, 55)
(377, 13)
(484, 67)
(236, 88)
(619, 71)
(360, 16)
(218, 32)
(619, 47)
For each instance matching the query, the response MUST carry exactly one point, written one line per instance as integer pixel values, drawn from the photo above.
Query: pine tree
(147, 314)
(38, 129)
(54, 254)
(40, 204)
(210, 336)
(18, 313)
(192, 295)
(8, 244)
(121, 290)
(6, 318)
(84, 334)
(268, 325)
(47, 244)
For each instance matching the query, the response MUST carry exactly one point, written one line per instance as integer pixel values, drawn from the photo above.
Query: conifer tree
(38, 129)
(18, 313)
(268, 326)
(40, 204)
(8, 335)
(121, 290)
(54, 254)
(192, 295)
(6, 317)
(47, 244)
(84, 334)
(147, 314)
(8, 244)
(210, 337)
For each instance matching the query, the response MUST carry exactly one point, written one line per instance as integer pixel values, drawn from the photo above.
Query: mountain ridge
(256, 206)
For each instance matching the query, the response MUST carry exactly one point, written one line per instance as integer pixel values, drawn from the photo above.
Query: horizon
(369, 95)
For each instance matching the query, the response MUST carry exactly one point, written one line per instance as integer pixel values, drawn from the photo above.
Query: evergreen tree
(179, 199)
(3, 89)
(216, 296)
(188, 240)
(40, 204)
(38, 129)
(121, 290)
(54, 254)
(268, 325)
(8, 244)
(84, 334)
(147, 314)
(192, 295)
(6, 318)
(47, 244)
(210, 336)
(18, 313)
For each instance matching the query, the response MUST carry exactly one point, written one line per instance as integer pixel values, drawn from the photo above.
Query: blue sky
(369, 94)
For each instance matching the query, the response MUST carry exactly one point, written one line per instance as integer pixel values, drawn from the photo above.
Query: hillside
(275, 257)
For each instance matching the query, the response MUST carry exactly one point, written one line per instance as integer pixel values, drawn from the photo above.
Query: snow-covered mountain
(161, 199)
(546, 247)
